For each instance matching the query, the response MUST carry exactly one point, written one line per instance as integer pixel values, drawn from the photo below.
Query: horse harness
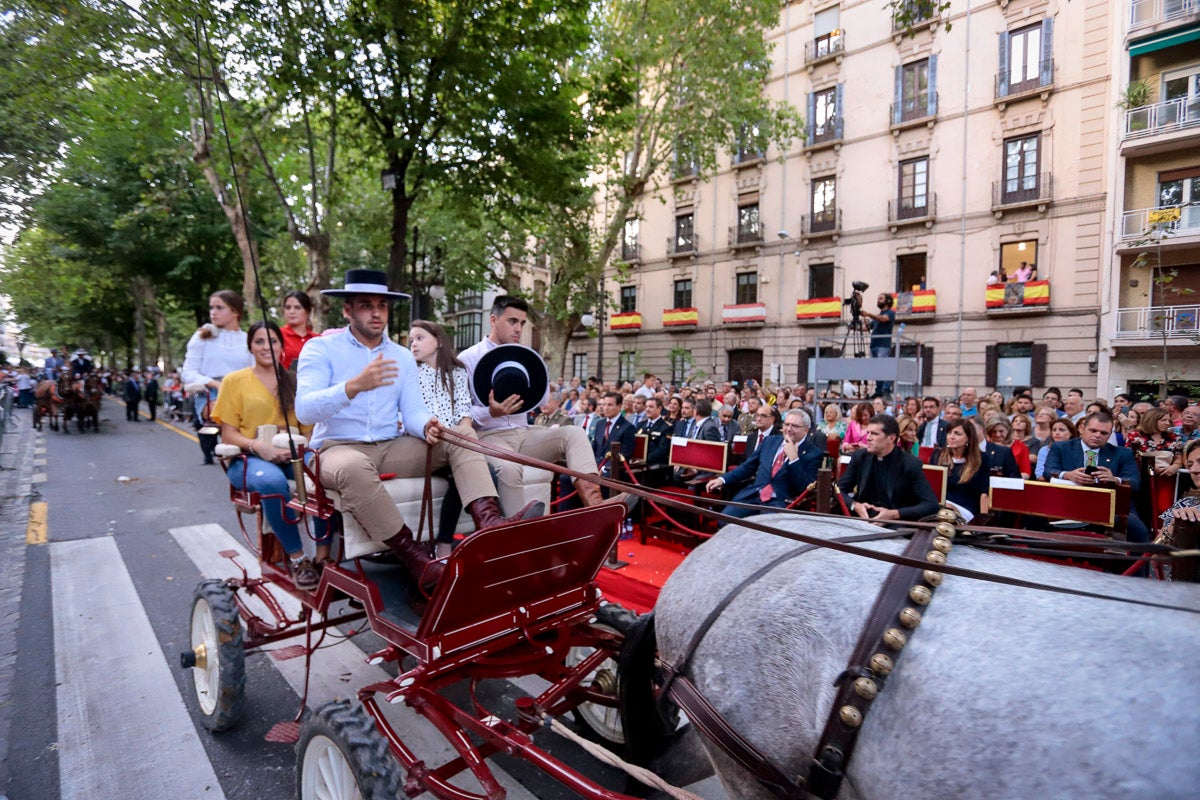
(891, 620)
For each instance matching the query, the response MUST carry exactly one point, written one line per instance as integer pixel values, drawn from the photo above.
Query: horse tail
(649, 719)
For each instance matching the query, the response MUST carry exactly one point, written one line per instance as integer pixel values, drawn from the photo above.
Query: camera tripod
(856, 334)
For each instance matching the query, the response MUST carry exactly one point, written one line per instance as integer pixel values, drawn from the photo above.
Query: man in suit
(586, 418)
(932, 432)
(728, 427)
(702, 426)
(886, 481)
(765, 424)
(781, 468)
(658, 434)
(612, 428)
(133, 396)
(150, 395)
(1091, 460)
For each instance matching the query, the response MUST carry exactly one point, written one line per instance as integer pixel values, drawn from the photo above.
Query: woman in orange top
(297, 308)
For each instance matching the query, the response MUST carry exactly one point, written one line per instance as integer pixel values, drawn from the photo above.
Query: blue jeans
(268, 478)
(882, 387)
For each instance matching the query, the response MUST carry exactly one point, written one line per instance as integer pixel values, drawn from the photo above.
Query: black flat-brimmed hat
(511, 369)
(365, 281)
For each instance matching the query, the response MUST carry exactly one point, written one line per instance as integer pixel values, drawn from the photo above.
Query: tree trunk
(319, 277)
(141, 291)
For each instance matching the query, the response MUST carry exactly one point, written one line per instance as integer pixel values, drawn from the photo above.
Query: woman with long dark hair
(968, 480)
(445, 388)
(215, 350)
(250, 398)
(297, 329)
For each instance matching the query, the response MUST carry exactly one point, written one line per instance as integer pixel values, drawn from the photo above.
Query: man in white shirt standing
(352, 386)
(502, 421)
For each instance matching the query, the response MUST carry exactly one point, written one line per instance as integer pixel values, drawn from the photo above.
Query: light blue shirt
(327, 363)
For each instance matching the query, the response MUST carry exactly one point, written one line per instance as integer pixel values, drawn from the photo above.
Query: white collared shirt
(327, 363)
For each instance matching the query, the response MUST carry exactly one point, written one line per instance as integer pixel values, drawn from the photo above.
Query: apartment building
(930, 161)
(1150, 331)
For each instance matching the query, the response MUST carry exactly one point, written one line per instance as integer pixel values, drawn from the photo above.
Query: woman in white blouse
(446, 391)
(215, 350)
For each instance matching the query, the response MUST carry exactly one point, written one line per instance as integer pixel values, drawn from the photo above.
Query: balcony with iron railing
(912, 210)
(826, 223)
(1040, 85)
(921, 110)
(1014, 193)
(1178, 225)
(682, 246)
(1161, 127)
(631, 252)
(1152, 16)
(1172, 325)
(823, 48)
(745, 236)
(825, 134)
(917, 16)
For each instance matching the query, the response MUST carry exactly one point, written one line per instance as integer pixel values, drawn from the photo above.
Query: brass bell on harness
(866, 688)
(882, 664)
(935, 557)
(932, 578)
(894, 638)
(946, 515)
(942, 543)
(850, 716)
(921, 595)
(945, 529)
(910, 617)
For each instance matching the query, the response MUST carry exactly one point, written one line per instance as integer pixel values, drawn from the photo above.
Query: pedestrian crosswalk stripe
(112, 676)
(337, 672)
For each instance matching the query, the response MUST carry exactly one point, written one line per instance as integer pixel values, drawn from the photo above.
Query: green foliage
(1135, 95)
(910, 15)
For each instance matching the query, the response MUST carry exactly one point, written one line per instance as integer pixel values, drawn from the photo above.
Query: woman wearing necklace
(215, 350)
(297, 329)
(250, 398)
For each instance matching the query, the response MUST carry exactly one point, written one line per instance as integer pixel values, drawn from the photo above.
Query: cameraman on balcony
(881, 337)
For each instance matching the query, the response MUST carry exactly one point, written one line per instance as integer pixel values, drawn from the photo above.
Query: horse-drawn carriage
(761, 633)
(68, 399)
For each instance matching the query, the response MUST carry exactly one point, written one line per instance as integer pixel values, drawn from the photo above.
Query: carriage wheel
(604, 721)
(218, 659)
(342, 756)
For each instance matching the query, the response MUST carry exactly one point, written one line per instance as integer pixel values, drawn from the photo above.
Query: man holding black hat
(504, 384)
(354, 386)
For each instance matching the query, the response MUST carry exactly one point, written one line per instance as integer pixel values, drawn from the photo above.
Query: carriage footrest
(392, 581)
(284, 732)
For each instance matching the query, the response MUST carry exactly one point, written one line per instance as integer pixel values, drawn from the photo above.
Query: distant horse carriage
(81, 402)
(46, 404)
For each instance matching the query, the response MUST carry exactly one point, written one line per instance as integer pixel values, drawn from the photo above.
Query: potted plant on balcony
(1135, 95)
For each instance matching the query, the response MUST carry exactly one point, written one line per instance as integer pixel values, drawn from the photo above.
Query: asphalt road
(95, 610)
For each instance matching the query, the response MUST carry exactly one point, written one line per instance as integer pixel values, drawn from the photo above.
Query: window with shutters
(681, 365)
(630, 250)
(626, 365)
(579, 365)
(824, 205)
(749, 227)
(914, 90)
(1026, 60)
(825, 123)
(914, 188)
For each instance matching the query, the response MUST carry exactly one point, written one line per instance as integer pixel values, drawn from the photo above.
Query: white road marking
(337, 672)
(116, 697)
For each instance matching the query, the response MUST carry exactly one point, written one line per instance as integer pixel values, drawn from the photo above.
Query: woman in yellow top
(257, 396)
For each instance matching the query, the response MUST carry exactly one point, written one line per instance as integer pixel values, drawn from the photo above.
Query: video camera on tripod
(857, 326)
(855, 302)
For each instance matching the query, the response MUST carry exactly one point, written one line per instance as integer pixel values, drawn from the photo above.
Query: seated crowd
(369, 402)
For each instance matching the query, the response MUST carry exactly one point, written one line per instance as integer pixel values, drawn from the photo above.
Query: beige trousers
(569, 443)
(352, 469)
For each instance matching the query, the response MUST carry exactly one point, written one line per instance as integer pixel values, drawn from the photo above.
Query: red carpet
(636, 585)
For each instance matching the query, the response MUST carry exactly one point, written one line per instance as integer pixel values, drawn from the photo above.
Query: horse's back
(1001, 691)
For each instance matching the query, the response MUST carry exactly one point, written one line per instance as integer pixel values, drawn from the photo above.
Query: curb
(18, 475)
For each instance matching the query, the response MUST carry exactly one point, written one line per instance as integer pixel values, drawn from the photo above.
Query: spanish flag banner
(1018, 295)
(680, 316)
(630, 321)
(819, 308)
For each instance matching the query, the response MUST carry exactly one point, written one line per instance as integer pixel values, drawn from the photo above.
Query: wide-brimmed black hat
(511, 369)
(365, 281)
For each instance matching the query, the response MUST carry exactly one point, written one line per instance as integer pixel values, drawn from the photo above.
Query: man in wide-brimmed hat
(499, 406)
(353, 386)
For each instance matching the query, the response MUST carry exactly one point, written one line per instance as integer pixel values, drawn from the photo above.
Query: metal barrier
(6, 415)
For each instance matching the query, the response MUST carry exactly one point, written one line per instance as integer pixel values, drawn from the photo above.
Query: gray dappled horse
(1000, 693)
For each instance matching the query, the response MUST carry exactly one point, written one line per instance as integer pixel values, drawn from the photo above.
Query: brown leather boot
(589, 493)
(413, 556)
(485, 512)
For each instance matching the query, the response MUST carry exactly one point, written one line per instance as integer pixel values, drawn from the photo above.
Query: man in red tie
(766, 420)
(778, 471)
(612, 428)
